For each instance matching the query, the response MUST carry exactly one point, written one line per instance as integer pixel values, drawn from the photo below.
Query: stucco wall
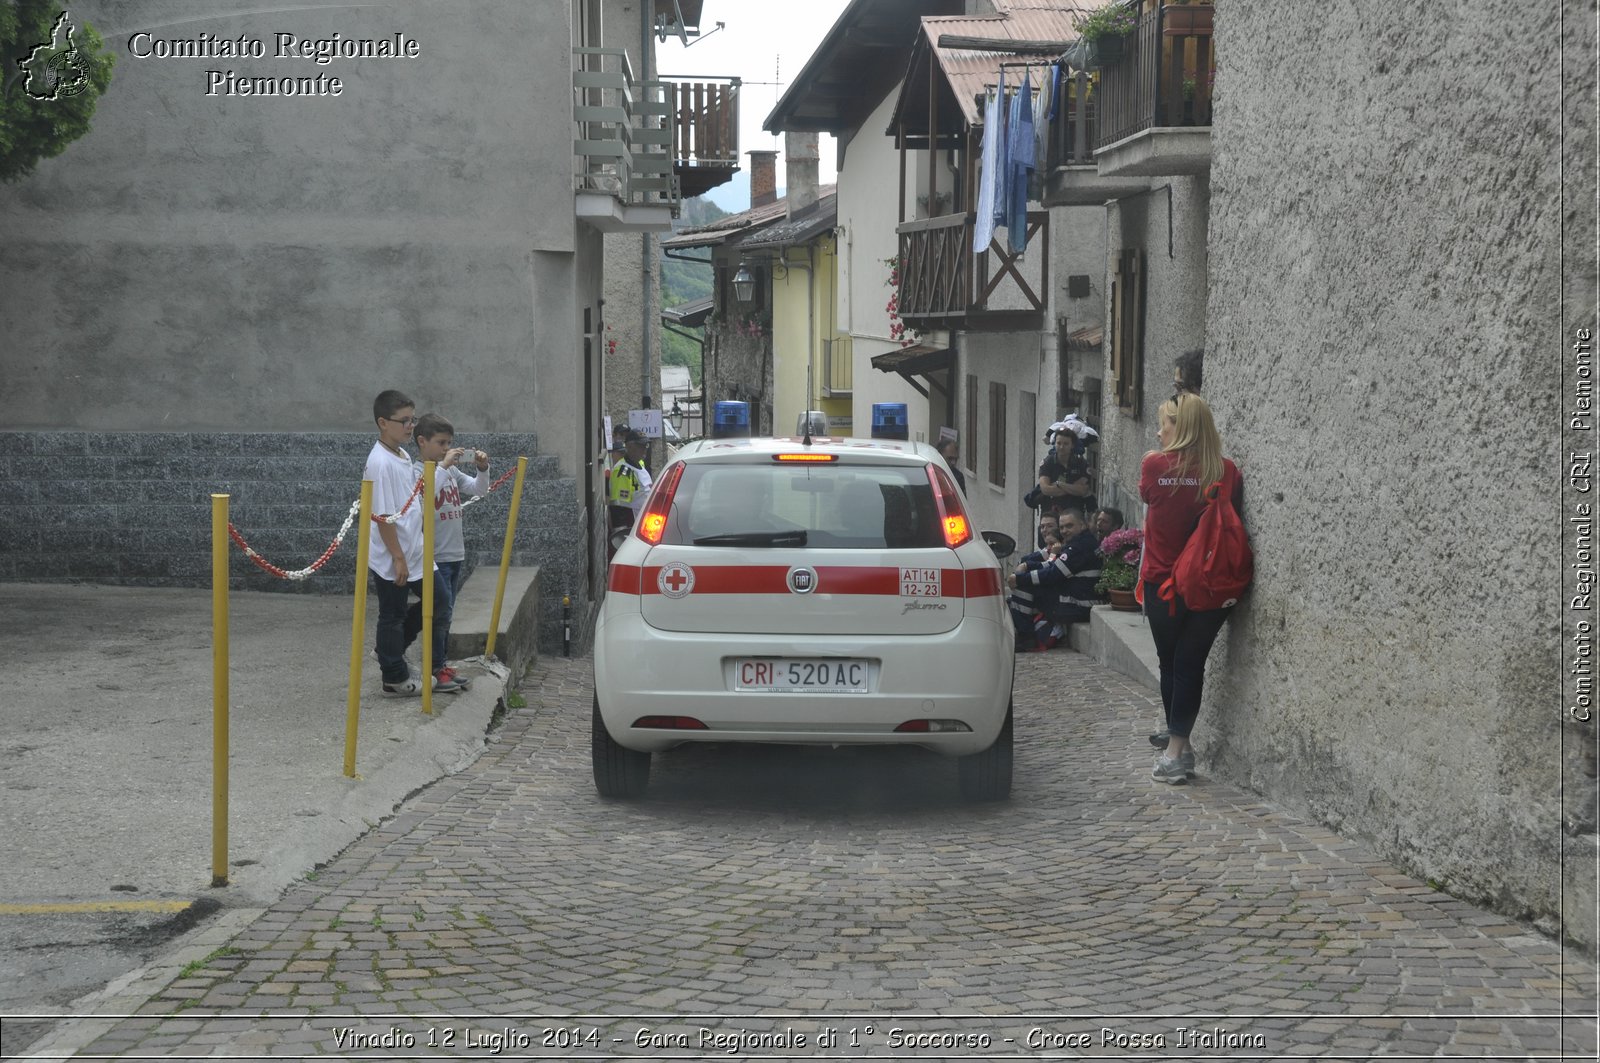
(798, 332)
(867, 222)
(209, 262)
(199, 267)
(1174, 321)
(1384, 351)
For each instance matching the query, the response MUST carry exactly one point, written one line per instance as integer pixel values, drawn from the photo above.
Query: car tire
(986, 776)
(618, 772)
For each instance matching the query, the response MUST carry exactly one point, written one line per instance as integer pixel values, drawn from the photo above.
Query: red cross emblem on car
(675, 580)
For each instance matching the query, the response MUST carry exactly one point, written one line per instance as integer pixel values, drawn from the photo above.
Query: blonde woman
(1172, 482)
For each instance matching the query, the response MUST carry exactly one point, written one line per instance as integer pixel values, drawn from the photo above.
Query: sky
(763, 42)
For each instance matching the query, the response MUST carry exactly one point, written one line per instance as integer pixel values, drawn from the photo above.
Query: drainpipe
(811, 320)
(648, 303)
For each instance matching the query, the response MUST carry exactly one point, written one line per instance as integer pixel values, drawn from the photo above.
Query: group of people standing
(1055, 585)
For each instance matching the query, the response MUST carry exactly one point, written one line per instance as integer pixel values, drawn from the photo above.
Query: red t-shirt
(1174, 510)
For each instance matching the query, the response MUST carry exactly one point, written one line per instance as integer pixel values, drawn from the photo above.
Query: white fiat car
(805, 591)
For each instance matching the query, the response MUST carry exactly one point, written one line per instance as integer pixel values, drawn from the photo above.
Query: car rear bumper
(963, 674)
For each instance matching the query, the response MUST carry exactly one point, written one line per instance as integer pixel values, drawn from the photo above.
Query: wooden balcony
(1155, 102)
(944, 285)
(705, 131)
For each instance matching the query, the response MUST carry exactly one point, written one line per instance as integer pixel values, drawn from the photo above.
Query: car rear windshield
(833, 506)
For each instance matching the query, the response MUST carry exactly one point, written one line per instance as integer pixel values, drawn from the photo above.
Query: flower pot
(1103, 51)
(1122, 601)
(1186, 20)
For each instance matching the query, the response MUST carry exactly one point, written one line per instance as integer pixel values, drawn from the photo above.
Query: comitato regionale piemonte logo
(55, 68)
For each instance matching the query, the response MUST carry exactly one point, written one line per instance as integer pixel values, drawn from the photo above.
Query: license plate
(829, 675)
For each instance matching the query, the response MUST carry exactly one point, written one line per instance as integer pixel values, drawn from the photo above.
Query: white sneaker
(1170, 770)
(406, 688)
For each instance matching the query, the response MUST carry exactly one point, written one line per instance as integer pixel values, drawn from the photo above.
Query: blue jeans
(1183, 638)
(452, 574)
(400, 621)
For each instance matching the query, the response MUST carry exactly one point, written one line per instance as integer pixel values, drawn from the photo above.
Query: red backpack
(1216, 564)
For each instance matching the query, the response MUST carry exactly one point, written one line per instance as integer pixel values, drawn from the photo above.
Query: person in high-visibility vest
(629, 482)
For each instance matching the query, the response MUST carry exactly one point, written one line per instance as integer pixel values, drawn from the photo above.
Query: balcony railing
(1162, 79)
(705, 122)
(1072, 134)
(944, 285)
(624, 130)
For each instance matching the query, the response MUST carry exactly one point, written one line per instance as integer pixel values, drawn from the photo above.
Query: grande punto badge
(802, 580)
(675, 580)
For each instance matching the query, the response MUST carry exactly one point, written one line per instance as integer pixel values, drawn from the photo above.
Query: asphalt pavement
(106, 830)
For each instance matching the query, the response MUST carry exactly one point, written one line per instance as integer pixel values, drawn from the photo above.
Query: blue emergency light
(731, 420)
(889, 421)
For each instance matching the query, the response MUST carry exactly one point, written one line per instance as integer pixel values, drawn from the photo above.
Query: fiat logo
(802, 580)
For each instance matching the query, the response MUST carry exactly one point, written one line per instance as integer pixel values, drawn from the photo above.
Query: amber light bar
(805, 457)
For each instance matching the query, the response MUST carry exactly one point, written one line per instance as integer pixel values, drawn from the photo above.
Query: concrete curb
(93, 1015)
(1120, 641)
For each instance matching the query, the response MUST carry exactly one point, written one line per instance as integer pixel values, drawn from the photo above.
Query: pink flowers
(1123, 545)
(897, 327)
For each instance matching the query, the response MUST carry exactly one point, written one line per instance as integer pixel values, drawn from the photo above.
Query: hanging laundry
(1001, 177)
(983, 222)
(1020, 147)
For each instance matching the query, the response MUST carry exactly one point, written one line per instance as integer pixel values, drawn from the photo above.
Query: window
(969, 439)
(997, 433)
(1127, 331)
(839, 507)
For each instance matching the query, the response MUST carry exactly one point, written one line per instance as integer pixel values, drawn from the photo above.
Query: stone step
(517, 637)
(1120, 641)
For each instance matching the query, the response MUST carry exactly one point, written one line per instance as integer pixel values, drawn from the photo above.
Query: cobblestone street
(789, 901)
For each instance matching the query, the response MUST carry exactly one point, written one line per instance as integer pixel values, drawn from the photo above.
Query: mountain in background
(683, 281)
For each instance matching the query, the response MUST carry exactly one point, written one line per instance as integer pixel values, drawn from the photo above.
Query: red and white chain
(344, 529)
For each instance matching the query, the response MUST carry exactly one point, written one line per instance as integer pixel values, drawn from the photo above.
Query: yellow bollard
(427, 587)
(219, 690)
(358, 631)
(505, 556)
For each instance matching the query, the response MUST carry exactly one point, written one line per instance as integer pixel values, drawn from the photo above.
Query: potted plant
(1187, 18)
(1119, 571)
(1101, 34)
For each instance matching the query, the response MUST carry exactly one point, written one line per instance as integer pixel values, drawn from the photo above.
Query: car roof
(755, 449)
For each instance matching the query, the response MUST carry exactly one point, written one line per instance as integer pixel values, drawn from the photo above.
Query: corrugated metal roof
(968, 71)
(1047, 24)
(810, 223)
(734, 226)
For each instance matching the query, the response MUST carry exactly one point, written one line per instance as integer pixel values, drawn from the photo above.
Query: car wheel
(618, 772)
(986, 776)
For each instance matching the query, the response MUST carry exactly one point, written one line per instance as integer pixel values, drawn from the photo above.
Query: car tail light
(671, 723)
(952, 514)
(805, 457)
(653, 521)
(933, 726)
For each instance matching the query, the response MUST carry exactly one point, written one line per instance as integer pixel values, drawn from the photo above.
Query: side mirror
(1002, 544)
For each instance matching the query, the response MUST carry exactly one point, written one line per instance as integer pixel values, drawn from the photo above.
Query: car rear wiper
(792, 537)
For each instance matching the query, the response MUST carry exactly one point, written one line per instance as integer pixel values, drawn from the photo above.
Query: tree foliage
(30, 128)
(683, 282)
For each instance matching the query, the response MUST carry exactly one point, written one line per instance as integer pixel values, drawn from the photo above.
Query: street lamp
(744, 284)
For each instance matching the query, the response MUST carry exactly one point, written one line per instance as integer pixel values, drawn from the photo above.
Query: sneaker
(406, 688)
(1170, 770)
(445, 682)
(1186, 758)
(1161, 738)
(466, 684)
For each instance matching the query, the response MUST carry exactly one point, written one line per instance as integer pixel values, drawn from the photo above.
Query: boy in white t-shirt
(395, 554)
(435, 440)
